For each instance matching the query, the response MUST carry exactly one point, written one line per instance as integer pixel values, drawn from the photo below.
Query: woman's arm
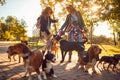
(66, 23)
(53, 20)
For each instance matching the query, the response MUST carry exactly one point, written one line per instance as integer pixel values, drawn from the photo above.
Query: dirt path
(65, 71)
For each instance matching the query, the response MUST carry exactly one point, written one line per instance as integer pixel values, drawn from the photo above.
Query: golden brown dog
(13, 54)
(54, 48)
(32, 59)
(92, 56)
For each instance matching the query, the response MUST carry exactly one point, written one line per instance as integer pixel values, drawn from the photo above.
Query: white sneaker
(54, 76)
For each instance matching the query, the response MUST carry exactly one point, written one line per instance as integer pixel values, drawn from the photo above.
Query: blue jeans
(71, 36)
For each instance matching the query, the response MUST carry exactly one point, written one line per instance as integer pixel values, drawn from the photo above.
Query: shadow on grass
(115, 51)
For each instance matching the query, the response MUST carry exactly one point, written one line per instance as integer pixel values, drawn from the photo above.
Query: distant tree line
(12, 29)
(102, 40)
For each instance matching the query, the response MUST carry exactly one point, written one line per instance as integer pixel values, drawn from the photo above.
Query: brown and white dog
(54, 48)
(90, 58)
(13, 55)
(32, 59)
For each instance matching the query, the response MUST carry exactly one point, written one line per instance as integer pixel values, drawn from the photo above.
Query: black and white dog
(47, 65)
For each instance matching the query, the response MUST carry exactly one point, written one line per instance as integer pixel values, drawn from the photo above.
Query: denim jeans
(71, 36)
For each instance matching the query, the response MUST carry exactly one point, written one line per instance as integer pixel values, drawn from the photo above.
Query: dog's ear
(49, 56)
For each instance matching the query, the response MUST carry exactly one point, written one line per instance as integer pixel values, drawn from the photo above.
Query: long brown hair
(45, 12)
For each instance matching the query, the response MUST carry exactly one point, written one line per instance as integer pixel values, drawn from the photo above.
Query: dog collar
(27, 55)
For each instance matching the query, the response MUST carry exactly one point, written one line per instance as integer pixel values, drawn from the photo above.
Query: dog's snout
(7, 51)
(54, 59)
(100, 50)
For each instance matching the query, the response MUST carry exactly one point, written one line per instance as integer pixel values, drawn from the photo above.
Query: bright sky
(102, 29)
(29, 10)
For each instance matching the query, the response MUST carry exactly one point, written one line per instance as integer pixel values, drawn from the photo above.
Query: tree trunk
(114, 38)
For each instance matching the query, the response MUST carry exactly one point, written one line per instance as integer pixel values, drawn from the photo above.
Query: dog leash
(106, 52)
(103, 47)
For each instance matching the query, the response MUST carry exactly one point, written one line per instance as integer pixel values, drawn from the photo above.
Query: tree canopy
(12, 29)
(96, 10)
(93, 11)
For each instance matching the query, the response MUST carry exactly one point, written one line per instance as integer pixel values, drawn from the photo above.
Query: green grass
(34, 45)
(107, 50)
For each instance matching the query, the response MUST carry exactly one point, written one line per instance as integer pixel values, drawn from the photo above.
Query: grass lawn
(107, 50)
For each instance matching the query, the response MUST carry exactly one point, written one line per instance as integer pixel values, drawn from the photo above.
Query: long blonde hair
(71, 8)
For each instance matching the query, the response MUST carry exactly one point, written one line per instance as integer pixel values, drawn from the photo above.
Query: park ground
(65, 71)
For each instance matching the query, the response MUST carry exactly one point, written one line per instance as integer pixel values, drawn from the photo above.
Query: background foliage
(12, 29)
(93, 11)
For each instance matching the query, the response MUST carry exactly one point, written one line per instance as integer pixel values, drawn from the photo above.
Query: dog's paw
(69, 61)
(54, 76)
(44, 75)
(24, 77)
